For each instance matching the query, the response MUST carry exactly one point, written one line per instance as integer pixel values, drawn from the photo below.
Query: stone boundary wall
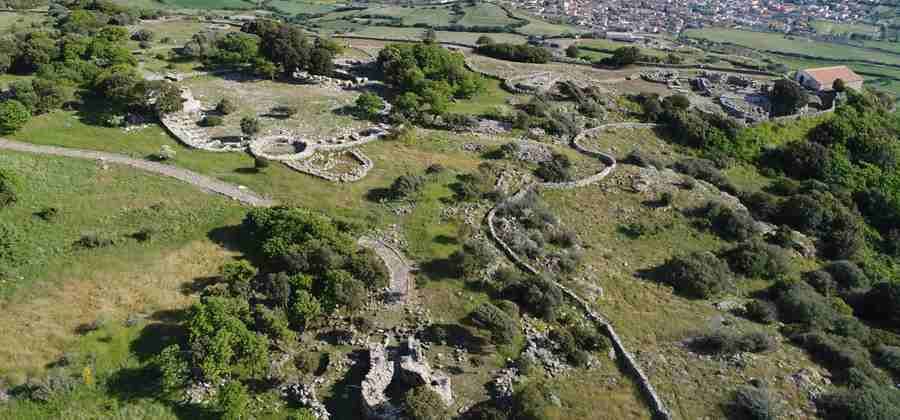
(657, 406)
(710, 68)
(366, 165)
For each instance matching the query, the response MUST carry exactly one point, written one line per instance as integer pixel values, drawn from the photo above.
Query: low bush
(644, 160)
(847, 275)
(212, 121)
(720, 342)
(761, 311)
(405, 186)
(557, 169)
(729, 223)
(838, 354)
(503, 327)
(226, 106)
(756, 258)
(705, 170)
(422, 403)
(888, 357)
(537, 295)
(822, 281)
(754, 403)
(94, 240)
(800, 303)
(697, 275)
(762, 205)
(871, 402)
(8, 186)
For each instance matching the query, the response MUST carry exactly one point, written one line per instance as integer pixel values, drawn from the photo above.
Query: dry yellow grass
(38, 329)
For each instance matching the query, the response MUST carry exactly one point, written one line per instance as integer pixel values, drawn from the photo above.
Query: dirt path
(400, 269)
(205, 183)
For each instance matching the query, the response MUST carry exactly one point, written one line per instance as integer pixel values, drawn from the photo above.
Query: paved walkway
(205, 183)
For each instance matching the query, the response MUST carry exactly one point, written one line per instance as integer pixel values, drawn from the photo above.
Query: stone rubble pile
(305, 396)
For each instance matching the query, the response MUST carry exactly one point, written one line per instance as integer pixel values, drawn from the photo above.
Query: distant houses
(822, 79)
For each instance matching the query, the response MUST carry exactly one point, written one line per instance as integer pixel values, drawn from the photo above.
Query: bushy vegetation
(503, 327)
(697, 275)
(426, 76)
(721, 342)
(754, 403)
(756, 258)
(524, 53)
(729, 223)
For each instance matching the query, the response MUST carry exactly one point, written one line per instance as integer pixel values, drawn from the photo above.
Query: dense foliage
(524, 53)
(426, 76)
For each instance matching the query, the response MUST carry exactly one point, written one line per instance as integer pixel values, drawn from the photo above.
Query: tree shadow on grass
(345, 399)
(455, 335)
(439, 269)
(377, 195)
(228, 237)
(445, 240)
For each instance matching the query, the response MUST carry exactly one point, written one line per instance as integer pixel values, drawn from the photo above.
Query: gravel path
(401, 270)
(205, 183)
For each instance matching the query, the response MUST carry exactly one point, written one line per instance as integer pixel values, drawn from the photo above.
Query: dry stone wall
(657, 405)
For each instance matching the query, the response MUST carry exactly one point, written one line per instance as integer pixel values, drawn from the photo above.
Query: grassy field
(648, 316)
(827, 27)
(486, 14)
(293, 7)
(129, 278)
(780, 43)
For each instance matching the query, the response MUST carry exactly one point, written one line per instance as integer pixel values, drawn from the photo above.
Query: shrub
(422, 403)
(212, 121)
(13, 115)
(729, 223)
(888, 357)
(802, 304)
(233, 401)
(754, 403)
(638, 158)
(532, 401)
(48, 214)
(406, 185)
(226, 106)
(503, 328)
(10, 246)
(839, 354)
(165, 153)
(883, 303)
(847, 275)
(761, 311)
(756, 258)
(8, 185)
(366, 266)
(705, 170)
(143, 35)
(369, 105)
(522, 52)
(250, 126)
(284, 111)
(720, 342)
(537, 295)
(557, 169)
(865, 403)
(697, 275)
(762, 205)
(822, 281)
(260, 163)
(588, 338)
(474, 256)
(93, 241)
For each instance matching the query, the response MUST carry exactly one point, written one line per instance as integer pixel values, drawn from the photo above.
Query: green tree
(260, 163)
(484, 40)
(572, 51)
(173, 367)
(422, 403)
(369, 105)
(787, 97)
(306, 309)
(13, 115)
(225, 344)
(250, 126)
(321, 61)
(226, 106)
(430, 36)
(233, 401)
(8, 185)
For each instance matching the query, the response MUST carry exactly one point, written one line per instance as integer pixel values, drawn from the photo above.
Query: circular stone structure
(282, 148)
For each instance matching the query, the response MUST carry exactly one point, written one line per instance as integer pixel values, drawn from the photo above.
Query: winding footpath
(203, 182)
